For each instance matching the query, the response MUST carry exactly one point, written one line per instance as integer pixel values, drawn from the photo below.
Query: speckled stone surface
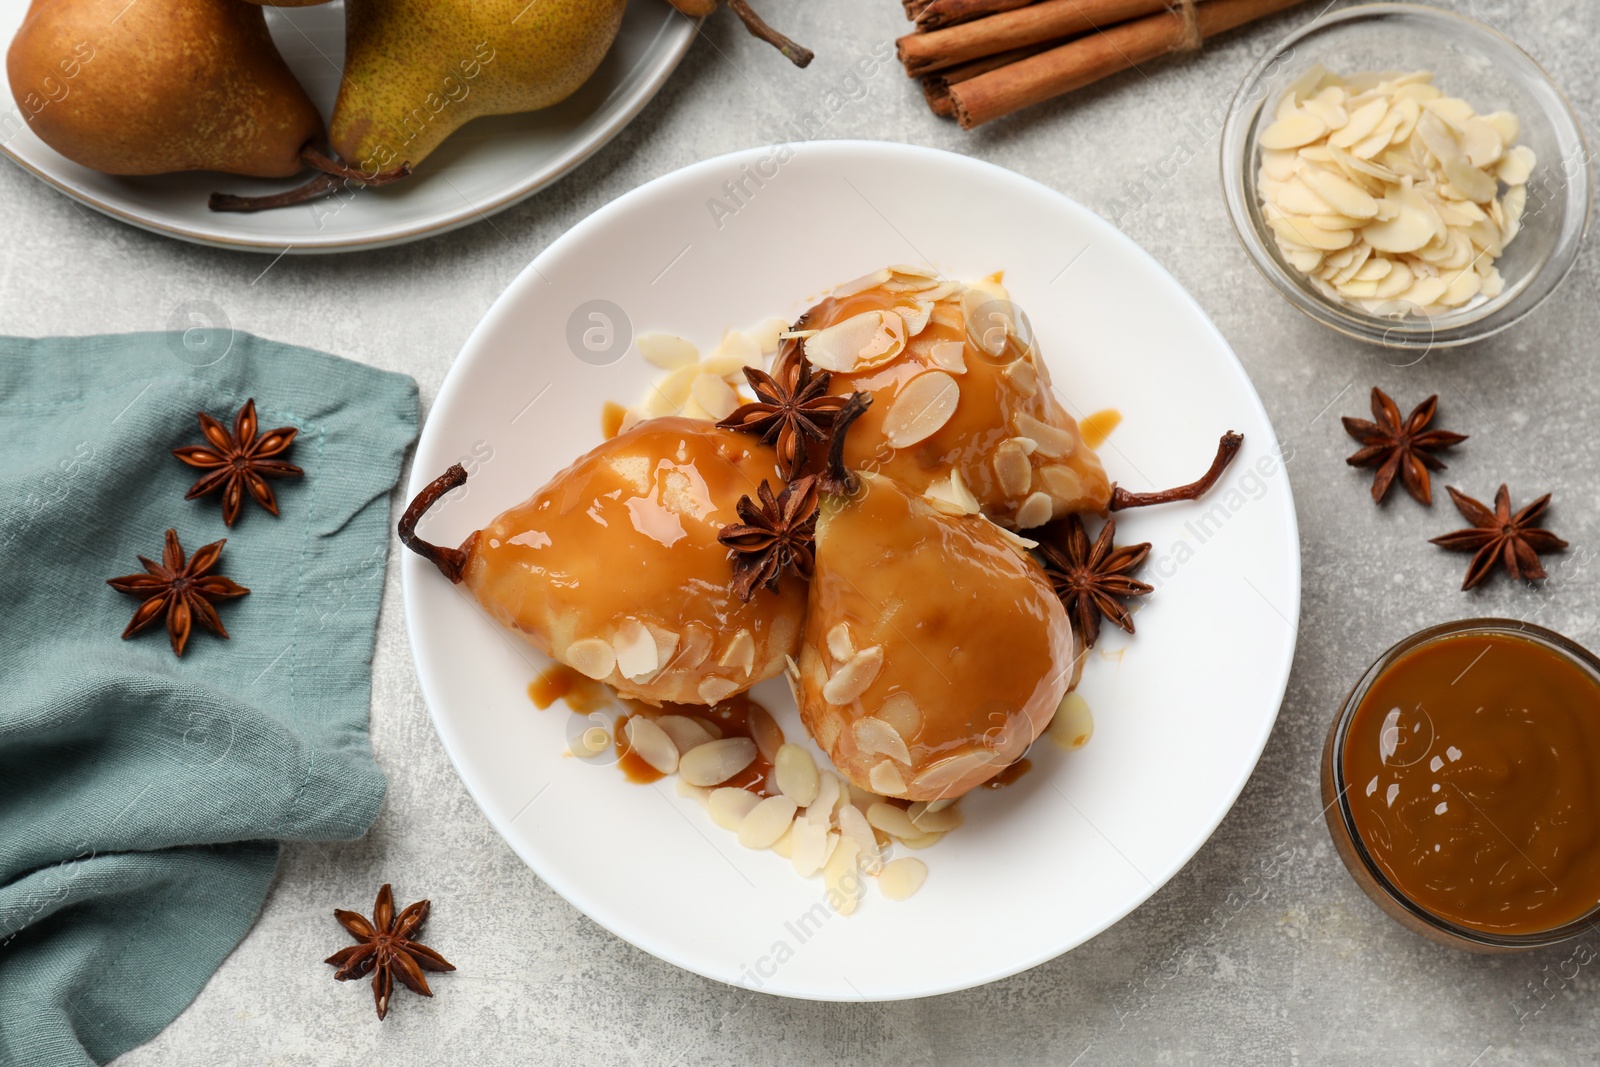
(1261, 951)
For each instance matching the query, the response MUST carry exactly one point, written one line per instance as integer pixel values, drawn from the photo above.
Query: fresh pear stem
(1227, 448)
(452, 562)
(797, 54)
(331, 176)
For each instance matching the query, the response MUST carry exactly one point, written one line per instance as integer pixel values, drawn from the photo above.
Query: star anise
(787, 416)
(239, 460)
(777, 535)
(386, 950)
(183, 590)
(1499, 536)
(1091, 580)
(1403, 448)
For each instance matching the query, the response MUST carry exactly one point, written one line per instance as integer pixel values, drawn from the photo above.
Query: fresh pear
(417, 70)
(157, 86)
(799, 55)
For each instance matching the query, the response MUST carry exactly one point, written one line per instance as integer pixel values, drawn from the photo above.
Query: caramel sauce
(976, 646)
(560, 682)
(629, 532)
(1097, 426)
(738, 716)
(611, 415)
(1470, 775)
(1010, 774)
(990, 397)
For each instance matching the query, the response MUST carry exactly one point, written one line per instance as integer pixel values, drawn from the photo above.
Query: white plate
(488, 165)
(1182, 710)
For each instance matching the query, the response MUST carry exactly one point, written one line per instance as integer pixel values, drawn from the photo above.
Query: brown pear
(416, 70)
(158, 86)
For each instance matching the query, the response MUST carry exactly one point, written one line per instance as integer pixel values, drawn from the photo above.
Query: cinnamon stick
(941, 13)
(924, 53)
(1094, 56)
(936, 86)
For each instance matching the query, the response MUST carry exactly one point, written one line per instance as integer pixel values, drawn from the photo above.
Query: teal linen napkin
(141, 795)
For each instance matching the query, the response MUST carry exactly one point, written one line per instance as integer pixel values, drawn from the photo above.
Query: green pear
(157, 86)
(416, 70)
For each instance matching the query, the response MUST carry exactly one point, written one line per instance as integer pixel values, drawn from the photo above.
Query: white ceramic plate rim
(413, 568)
(664, 61)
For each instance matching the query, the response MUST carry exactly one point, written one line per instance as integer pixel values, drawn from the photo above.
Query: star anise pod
(777, 535)
(1499, 536)
(239, 460)
(386, 949)
(1091, 580)
(787, 416)
(182, 589)
(1404, 448)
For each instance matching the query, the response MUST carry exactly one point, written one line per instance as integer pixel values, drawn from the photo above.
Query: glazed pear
(935, 648)
(416, 70)
(614, 568)
(159, 86)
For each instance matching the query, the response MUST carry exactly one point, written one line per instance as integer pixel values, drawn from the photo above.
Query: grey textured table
(1262, 950)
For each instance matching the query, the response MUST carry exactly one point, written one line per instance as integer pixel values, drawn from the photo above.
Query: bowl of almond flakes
(1406, 176)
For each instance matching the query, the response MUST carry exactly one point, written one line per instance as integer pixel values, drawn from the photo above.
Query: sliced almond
(873, 735)
(685, 732)
(765, 732)
(1363, 120)
(695, 792)
(854, 677)
(1012, 468)
(729, 807)
(708, 726)
(591, 657)
(1517, 166)
(893, 820)
(714, 690)
(796, 774)
(863, 283)
(694, 647)
(820, 810)
(714, 395)
(715, 762)
(839, 644)
(853, 828)
(636, 649)
(949, 356)
(842, 877)
(809, 846)
(921, 408)
(1036, 510)
(767, 821)
(1073, 723)
(1022, 377)
(1053, 441)
(922, 841)
(900, 711)
(915, 317)
(667, 351)
(1340, 193)
(900, 879)
(1293, 130)
(740, 653)
(930, 820)
(886, 779)
(651, 743)
(858, 343)
(784, 845)
(943, 776)
(766, 335)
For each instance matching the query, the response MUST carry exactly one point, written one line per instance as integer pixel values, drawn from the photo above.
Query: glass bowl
(1342, 826)
(1471, 61)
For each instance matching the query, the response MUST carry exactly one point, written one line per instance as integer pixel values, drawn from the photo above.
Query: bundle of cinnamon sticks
(981, 59)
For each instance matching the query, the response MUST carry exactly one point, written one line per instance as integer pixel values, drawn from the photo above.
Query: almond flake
(853, 828)
(796, 774)
(839, 644)
(729, 806)
(767, 821)
(1073, 723)
(886, 779)
(900, 879)
(1048, 440)
(652, 744)
(667, 351)
(686, 734)
(740, 653)
(717, 761)
(809, 847)
(876, 736)
(901, 712)
(854, 677)
(714, 689)
(858, 343)
(893, 820)
(1012, 468)
(921, 408)
(949, 356)
(591, 657)
(862, 284)
(636, 650)
(1035, 511)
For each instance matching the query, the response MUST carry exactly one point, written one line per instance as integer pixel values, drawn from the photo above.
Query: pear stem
(797, 54)
(452, 562)
(1227, 448)
(331, 176)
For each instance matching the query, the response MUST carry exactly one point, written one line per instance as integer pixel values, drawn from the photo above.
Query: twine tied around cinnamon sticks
(981, 59)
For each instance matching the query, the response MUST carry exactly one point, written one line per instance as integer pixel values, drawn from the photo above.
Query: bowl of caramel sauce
(1461, 784)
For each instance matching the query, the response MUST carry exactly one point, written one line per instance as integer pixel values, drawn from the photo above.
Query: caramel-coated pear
(416, 70)
(160, 85)
(614, 567)
(935, 649)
